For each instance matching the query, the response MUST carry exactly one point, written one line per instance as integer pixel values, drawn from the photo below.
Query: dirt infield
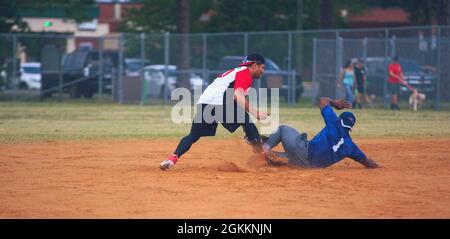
(121, 179)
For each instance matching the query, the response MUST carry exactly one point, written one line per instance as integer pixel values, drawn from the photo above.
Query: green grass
(79, 120)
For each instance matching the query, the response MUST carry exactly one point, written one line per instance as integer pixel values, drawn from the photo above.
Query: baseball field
(101, 160)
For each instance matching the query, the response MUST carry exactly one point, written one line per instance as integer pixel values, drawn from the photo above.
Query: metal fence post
(121, 62)
(245, 44)
(13, 71)
(386, 73)
(314, 66)
(291, 87)
(393, 46)
(204, 56)
(142, 71)
(166, 63)
(365, 43)
(393, 53)
(100, 67)
(60, 78)
(438, 90)
(338, 68)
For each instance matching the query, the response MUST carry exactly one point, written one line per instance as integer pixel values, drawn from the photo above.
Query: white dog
(416, 100)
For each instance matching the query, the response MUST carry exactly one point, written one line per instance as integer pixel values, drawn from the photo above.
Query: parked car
(133, 65)
(154, 76)
(80, 70)
(274, 76)
(421, 78)
(77, 69)
(30, 76)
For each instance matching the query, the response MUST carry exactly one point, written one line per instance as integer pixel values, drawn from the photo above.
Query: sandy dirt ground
(122, 179)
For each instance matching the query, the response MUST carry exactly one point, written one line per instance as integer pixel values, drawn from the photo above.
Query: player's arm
(391, 73)
(402, 79)
(399, 77)
(328, 115)
(361, 158)
(242, 83)
(368, 163)
(337, 104)
(241, 100)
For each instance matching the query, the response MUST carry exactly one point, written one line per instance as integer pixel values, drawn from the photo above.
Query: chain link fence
(146, 68)
(422, 52)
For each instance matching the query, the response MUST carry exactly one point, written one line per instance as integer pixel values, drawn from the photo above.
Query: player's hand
(373, 166)
(342, 104)
(370, 164)
(262, 115)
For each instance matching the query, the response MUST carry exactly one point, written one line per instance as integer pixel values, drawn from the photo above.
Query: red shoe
(169, 162)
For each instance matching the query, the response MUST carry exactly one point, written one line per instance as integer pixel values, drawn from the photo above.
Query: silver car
(155, 80)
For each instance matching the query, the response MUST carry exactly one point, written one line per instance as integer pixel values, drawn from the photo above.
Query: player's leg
(360, 97)
(288, 138)
(199, 128)
(394, 100)
(242, 118)
(358, 100)
(273, 140)
(393, 88)
(283, 134)
(185, 144)
(348, 93)
(363, 96)
(252, 136)
(294, 144)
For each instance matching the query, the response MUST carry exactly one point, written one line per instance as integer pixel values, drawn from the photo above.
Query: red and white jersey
(237, 78)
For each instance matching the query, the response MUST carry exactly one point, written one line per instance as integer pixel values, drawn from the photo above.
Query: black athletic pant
(200, 128)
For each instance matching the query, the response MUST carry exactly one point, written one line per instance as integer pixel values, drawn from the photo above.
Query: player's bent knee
(283, 128)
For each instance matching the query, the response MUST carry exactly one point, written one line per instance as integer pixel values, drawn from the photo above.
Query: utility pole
(299, 38)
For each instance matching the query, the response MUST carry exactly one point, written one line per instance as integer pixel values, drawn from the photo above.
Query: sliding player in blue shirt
(332, 144)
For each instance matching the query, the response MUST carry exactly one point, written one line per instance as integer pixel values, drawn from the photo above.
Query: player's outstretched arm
(240, 99)
(369, 163)
(337, 104)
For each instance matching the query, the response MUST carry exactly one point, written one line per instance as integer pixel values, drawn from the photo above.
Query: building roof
(382, 15)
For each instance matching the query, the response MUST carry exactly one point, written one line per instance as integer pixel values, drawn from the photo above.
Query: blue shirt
(333, 143)
(348, 77)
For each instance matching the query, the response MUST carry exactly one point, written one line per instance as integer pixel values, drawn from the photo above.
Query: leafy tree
(9, 16)
(420, 12)
(10, 11)
(74, 9)
(153, 16)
